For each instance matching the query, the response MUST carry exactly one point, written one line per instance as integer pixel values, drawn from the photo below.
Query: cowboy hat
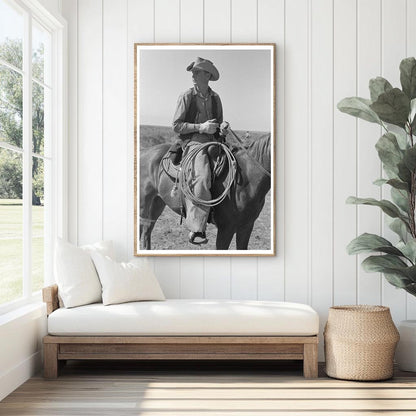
(205, 65)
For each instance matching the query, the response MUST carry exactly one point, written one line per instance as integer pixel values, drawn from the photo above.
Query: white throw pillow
(126, 282)
(104, 247)
(75, 273)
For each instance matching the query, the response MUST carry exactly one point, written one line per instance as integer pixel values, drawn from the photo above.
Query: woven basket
(360, 341)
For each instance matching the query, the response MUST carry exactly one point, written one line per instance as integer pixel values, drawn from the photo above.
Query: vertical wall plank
(217, 29)
(411, 51)
(271, 29)
(167, 29)
(115, 157)
(321, 167)
(244, 278)
(217, 278)
(168, 274)
(217, 24)
(70, 12)
(90, 128)
(192, 278)
(244, 29)
(191, 21)
(244, 21)
(296, 152)
(393, 51)
(345, 151)
(167, 13)
(191, 31)
(369, 167)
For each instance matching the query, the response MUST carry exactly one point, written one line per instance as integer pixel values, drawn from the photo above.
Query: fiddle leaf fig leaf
(388, 207)
(378, 86)
(408, 249)
(400, 228)
(380, 182)
(397, 280)
(411, 289)
(395, 183)
(366, 243)
(398, 184)
(408, 77)
(359, 107)
(400, 198)
(381, 263)
(402, 139)
(389, 151)
(392, 107)
(404, 173)
(410, 272)
(412, 109)
(410, 158)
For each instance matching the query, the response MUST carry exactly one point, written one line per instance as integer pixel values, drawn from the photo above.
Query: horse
(235, 215)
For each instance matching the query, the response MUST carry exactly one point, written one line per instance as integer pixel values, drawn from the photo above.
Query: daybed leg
(50, 360)
(310, 360)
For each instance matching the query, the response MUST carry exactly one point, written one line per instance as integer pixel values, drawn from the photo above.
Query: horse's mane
(260, 149)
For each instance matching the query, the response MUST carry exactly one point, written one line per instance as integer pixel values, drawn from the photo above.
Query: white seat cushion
(187, 317)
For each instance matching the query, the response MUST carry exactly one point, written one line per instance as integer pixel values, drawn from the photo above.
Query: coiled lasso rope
(185, 178)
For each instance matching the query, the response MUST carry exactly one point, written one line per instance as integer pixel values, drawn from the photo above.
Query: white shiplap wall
(326, 50)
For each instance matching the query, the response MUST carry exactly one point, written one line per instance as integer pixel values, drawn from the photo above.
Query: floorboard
(206, 388)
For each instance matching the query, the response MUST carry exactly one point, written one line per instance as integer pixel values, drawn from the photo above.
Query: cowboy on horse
(198, 120)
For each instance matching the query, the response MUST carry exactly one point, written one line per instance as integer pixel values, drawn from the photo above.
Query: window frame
(57, 225)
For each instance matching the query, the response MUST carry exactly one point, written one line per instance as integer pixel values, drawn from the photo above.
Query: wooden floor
(191, 389)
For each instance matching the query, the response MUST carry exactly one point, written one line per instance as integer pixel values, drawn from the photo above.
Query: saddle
(171, 161)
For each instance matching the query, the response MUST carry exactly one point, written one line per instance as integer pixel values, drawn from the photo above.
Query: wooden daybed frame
(58, 349)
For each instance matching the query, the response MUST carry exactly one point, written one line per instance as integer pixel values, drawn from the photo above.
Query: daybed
(181, 329)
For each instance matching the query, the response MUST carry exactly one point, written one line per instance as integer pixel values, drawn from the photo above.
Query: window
(31, 141)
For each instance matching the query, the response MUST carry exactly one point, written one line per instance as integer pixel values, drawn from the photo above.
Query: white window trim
(59, 146)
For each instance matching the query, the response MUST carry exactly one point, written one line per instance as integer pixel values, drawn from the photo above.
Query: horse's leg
(148, 219)
(224, 237)
(243, 236)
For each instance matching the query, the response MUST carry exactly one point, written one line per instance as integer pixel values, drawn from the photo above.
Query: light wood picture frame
(242, 168)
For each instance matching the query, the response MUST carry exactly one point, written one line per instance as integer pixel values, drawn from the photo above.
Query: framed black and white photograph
(204, 117)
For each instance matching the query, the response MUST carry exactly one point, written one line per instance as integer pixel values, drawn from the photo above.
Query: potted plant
(394, 109)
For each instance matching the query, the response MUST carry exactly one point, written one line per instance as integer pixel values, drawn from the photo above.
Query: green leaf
(410, 272)
(366, 243)
(400, 228)
(389, 151)
(408, 249)
(398, 184)
(404, 173)
(359, 107)
(412, 109)
(412, 116)
(392, 107)
(381, 263)
(378, 86)
(400, 198)
(380, 182)
(395, 183)
(396, 271)
(401, 137)
(388, 207)
(408, 77)
(397, 280)
(409, 158)
(411, 289)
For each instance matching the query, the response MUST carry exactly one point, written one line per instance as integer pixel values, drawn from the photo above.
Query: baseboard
(10, 380)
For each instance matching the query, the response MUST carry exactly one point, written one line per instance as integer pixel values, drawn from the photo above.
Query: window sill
(32, 307)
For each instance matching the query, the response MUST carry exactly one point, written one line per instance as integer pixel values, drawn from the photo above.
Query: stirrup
(198, 235)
